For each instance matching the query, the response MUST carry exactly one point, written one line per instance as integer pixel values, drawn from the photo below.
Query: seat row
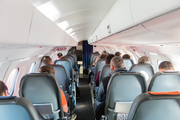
(127, 96)
(40, 95)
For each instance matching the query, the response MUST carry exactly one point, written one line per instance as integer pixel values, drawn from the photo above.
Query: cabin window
(12, 80)
(32, 67)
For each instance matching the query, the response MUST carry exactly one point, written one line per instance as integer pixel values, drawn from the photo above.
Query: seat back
(123, 87)
(128, 63)
(94, 58)
(75, 57)
(91, 58)
(66, 65)
(146, 69)
(155, 107)
(72, 59)
(41, 88)
(14, 108)
(105, 71)
(99, 65)
(165, 82)
(62, 77)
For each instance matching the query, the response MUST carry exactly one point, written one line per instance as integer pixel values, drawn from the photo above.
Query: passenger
(104, 52)
(63, 58)
(126, 56)
(143, 60)
(46, 60)
(163, 67)
(117, 54)
(107, 61)
(50, 70)
(3, 89)
(96, 52)
(59, 55)
(116, 65)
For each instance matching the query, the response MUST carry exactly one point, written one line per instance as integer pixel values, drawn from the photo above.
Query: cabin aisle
(84, 108)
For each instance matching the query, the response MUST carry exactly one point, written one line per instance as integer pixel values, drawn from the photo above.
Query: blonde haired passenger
(143, 60)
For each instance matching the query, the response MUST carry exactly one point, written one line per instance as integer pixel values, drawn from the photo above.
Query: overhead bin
(128, 16)
(15, 21)
(44, 32)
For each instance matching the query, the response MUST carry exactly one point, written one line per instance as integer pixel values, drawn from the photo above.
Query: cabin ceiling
(79, 18)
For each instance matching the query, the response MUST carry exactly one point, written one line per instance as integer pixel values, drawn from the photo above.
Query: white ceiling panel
(82, 16)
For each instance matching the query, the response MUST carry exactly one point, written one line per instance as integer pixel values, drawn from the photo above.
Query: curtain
(87, 50)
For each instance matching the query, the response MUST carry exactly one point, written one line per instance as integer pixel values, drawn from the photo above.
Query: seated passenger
(126, 56)
(50, 70)
(117, 54)
(163, 67)
(46, 60)
(3, 89)
(59, 55)
(107, 61)
(116, 65)
(143, 60)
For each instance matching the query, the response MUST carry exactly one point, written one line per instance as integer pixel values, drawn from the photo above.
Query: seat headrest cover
(164, 93)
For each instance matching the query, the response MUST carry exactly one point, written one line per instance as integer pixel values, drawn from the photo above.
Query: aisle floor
(84, 108)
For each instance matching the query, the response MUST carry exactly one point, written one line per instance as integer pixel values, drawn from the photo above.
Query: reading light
(49, 11)
(69, 31)
(63, 25)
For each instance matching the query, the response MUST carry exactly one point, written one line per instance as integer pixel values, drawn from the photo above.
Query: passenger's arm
(100, 93)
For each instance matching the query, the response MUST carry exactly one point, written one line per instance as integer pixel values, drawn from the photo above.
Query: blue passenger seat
(105, 72)
(165, 82)
(17, 108)
(155, 107)
(122, 89)
(128, 63)
(146, 69)
(43, 91)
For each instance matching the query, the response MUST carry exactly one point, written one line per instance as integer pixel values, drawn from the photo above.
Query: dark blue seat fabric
(165, 82)
(17, 108)
(146, 69)
(42, 88)
(155, 107)
(66, 65)
(123, 87)
(128, 63)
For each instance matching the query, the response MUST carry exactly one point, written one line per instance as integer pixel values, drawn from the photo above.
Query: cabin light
(24, 59)
(153, 53)
(63, 25)
(40, 55)
(49, 11)
(69, 30)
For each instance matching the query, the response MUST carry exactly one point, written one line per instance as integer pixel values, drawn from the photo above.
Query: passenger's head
(166, 66)
(102, 56)
(117, 54)
(126, 56)
(47, 69)
(143, 59)
(3, 89)
(116, 62)
(63, 58)
(59, 55)
(96, 52)
(104, 52)
(108, 58)
(46, 60)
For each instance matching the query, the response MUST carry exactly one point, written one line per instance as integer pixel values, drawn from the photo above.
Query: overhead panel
(15, 21)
